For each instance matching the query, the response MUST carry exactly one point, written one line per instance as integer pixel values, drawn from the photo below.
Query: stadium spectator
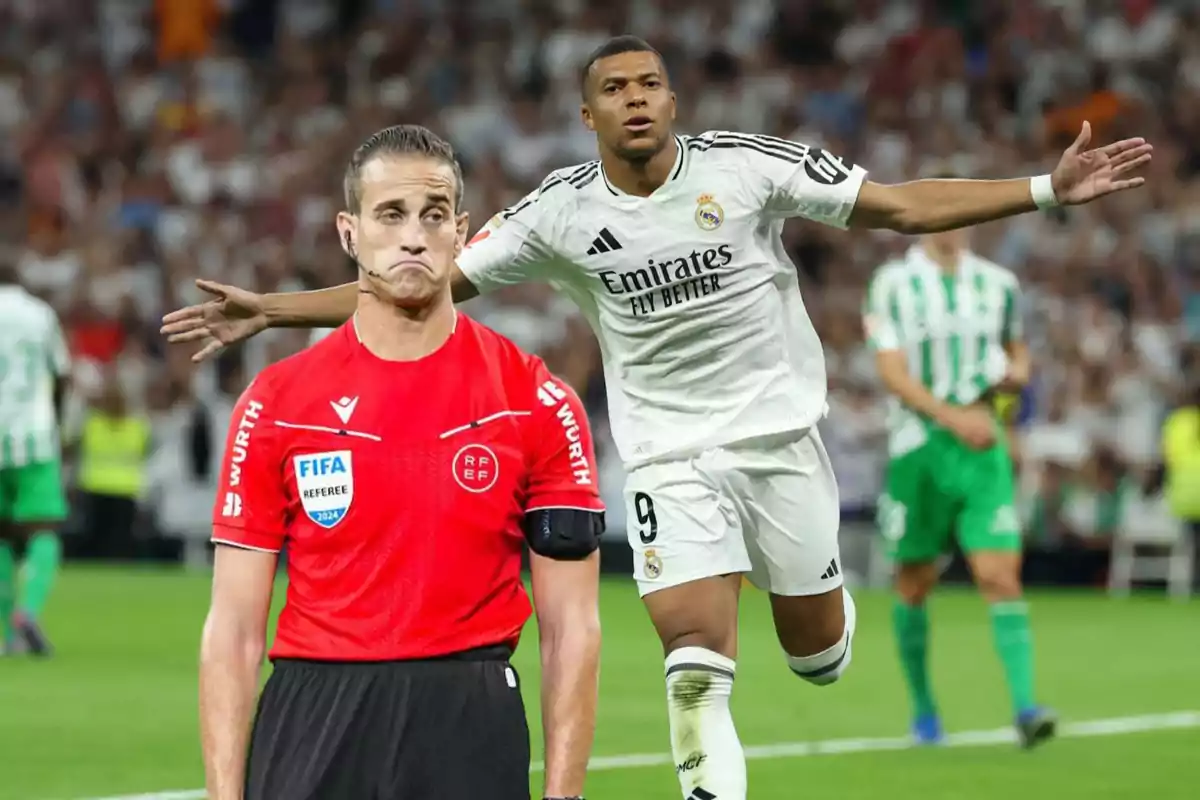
(114, 446)
(183, 470)
(1181, 450)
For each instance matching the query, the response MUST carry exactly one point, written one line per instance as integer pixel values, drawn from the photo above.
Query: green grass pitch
(114, 712)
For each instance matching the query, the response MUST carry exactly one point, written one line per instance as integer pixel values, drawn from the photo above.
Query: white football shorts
(767, 507)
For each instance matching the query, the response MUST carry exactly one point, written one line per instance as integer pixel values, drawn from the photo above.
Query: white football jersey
(33, 352)
(694, 301)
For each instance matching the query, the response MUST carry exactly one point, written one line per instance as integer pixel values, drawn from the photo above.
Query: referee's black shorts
(443, 729)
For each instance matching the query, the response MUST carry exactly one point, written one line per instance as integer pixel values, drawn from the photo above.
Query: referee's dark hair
(613, 47)
(399, 140)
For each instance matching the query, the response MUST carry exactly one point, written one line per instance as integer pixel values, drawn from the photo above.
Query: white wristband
(1042, 189)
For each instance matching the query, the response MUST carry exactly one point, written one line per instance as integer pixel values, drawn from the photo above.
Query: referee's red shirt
(399, 490)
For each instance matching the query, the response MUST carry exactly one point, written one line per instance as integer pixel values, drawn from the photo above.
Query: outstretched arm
(506, 251)
(320, 308)
(328, 308)
(234, 314)
(930, 206)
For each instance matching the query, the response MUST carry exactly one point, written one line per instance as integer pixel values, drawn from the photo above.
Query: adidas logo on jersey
(604, 243)
(832, 571)
(700, 793)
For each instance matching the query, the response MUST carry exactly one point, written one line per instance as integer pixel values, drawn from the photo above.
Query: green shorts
(32, 493)
(944, 489)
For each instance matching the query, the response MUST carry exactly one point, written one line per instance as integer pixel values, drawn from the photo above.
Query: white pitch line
(1115, 726)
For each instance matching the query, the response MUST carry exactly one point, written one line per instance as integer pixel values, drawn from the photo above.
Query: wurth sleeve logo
(241, 441)
(551, 394)
(232, 506)
(580, 467)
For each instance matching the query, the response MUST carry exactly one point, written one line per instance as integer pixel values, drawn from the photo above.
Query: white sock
(708, 757)
(828, 665)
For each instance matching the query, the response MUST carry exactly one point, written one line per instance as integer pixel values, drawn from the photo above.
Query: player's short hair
(614, 47)
(399, 140)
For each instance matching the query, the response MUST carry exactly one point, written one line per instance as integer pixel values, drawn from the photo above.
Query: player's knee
(998, 581)
(699, 614)
(827, 666)
(912, 594)
(915, 582)
(999, 588)
(713, 640)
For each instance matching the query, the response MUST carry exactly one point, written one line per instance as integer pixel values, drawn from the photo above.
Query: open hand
(1083, 175)
(232, 316)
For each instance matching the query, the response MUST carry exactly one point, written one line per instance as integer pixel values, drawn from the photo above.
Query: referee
(406, 461)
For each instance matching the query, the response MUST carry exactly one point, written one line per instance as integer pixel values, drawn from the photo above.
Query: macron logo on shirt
(344, 408)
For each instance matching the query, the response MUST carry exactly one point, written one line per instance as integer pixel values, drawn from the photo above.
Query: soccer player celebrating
(670, 246)
(945, 325)
(404, 461)
(34, 369)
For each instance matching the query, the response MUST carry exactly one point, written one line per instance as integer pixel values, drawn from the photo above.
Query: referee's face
(630, 105)
(407, 234)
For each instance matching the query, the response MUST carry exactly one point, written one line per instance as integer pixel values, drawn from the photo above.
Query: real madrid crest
(653, 565)
(709, 214)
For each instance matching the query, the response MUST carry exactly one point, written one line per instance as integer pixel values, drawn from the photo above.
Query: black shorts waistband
(496, 652)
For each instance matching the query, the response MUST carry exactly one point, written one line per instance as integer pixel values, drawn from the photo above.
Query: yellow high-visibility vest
(1181, 452)
(113, 455)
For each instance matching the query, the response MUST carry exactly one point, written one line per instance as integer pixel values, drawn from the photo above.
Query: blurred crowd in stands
(144, 143)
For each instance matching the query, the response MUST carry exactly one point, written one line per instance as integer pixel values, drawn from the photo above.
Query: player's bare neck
(947, 259)
(640, 178)
(395, 333)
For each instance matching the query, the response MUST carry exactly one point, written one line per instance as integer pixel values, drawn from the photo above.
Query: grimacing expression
(630, 105)
(406, 231)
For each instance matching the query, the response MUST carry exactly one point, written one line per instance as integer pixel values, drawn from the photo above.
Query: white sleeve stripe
(241, 546)
(772, 142)
(584, 175)
(730, 144)
(578, 178)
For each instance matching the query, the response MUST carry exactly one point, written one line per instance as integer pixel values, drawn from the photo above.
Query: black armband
(564, 534)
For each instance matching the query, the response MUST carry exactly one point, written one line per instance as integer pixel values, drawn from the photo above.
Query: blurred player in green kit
(945, 326)
(34, 364)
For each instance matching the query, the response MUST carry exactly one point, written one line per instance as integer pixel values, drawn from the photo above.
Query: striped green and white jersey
(952, 329)
(33, 353)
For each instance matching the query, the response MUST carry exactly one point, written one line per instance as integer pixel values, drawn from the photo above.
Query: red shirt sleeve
(563, 470)
(251, 505)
